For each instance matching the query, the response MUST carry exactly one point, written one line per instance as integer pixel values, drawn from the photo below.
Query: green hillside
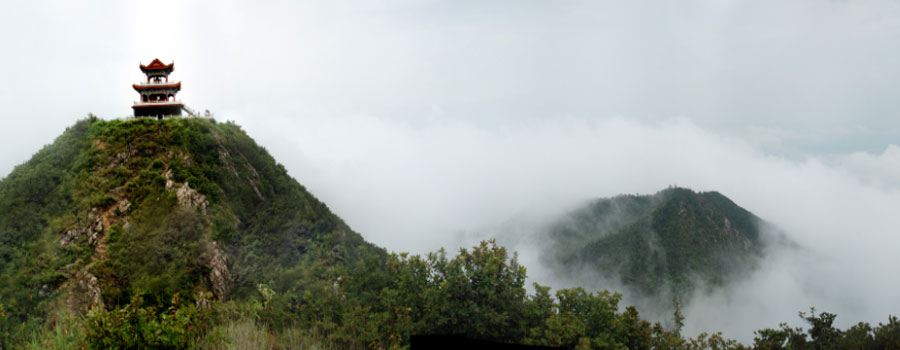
(188, 207)
(674, 241)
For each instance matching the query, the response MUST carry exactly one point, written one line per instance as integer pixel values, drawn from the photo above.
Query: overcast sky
(420, 122)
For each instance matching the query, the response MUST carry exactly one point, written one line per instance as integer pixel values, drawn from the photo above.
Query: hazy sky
(811, 76)
(420, 122)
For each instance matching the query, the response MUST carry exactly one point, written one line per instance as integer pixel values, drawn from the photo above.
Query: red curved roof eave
(176, 86)
(156, 64)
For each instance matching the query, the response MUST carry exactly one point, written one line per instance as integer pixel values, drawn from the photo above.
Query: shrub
(136, 326)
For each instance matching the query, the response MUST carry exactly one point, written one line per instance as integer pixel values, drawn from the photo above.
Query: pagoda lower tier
(157, 100)
(157, 110)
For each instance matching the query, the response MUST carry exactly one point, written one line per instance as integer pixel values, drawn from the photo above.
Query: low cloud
(444, 183)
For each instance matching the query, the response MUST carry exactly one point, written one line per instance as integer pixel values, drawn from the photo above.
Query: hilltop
(114, 210)
(671, 243)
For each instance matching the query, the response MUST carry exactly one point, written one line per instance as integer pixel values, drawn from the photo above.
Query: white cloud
(440, 183)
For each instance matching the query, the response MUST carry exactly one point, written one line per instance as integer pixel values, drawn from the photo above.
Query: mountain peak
(674, 241)
(158, 208)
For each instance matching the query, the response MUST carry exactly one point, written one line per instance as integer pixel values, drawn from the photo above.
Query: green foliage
(31, 198)
(480, 293)
(669, 243)
(136, 326)
(65, 332)
(102, 200)
(154, 255)
(823, 335)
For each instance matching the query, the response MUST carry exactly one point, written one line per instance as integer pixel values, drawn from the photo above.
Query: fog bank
(445, 183)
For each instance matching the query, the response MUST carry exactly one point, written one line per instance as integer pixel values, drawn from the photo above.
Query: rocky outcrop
(83, 292)
(185, 196)
(219, 277)
(226, 160)
(189, 198)
(92, 228)
(255, 177)
(735, 237)
(69, 236)
(170, 181)
(120, 158)
(123, 207)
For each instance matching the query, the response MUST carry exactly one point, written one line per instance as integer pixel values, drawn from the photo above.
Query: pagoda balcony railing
(148, 103)
(163, 82)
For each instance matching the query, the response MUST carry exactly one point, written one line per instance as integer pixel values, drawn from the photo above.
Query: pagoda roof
(156, 64)
(161, 86)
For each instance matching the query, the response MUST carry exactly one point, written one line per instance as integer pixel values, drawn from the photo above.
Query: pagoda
(157, 93)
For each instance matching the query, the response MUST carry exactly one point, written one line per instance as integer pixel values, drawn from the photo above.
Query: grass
(67, 332)
(244, 333)
(247, 334)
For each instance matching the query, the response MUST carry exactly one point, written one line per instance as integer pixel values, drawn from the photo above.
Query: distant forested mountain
(670, 243)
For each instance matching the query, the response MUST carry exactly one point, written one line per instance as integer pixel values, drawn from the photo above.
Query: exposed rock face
(84, 292)
(185, 195)
(219, 277)
(170, 182)
(123, 207)
(189, 198)
(736, 239)
(94, 226)
(226, 160)
(69, 236)
(92, 287)
(256, 179)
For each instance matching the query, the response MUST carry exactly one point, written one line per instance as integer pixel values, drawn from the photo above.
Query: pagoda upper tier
(158, 69)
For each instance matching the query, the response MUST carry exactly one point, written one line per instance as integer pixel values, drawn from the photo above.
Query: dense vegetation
(378, 304)
(185, 234)
(670, 243)
(118, 210)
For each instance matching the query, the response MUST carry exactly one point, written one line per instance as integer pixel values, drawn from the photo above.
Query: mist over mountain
(652, 248)
(670, 244)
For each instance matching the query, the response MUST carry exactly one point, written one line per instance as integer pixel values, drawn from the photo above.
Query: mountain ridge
(674, 241)
(191, 207)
